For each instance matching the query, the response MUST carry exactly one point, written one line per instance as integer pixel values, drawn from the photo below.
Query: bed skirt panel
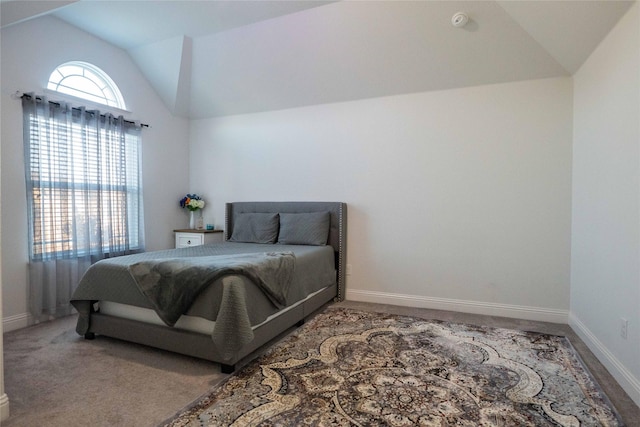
(201, 345)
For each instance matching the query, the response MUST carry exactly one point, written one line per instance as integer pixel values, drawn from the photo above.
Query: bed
(280, 262)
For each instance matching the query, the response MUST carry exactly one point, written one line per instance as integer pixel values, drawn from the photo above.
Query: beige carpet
(53, 377)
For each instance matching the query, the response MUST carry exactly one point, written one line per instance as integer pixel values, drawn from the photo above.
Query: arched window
(83, 180)
(86, 81)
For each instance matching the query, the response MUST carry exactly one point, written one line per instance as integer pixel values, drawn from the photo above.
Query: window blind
(83, 181)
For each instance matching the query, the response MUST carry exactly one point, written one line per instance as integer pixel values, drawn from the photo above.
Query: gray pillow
(304, 228)
(255, 228)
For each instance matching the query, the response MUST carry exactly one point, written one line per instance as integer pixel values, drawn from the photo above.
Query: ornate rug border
(596, 383)
(203, 401)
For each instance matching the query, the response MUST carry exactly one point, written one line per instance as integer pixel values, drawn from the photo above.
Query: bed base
(201, 345)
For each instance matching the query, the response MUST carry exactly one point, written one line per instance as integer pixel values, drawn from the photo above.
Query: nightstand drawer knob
(188, 242)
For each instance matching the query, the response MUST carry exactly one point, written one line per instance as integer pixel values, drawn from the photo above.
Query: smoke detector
(459, 19)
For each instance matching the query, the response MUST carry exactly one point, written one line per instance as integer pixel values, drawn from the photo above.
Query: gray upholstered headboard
(337, 228)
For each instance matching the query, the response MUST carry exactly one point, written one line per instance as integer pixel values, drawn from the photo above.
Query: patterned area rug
(352, 368)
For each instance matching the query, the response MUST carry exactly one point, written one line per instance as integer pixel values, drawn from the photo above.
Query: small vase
(192, 220)
(200, 221)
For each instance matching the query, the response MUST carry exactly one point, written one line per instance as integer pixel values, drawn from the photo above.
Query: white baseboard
(627, 381)
(464, 306)
(17, 321)
(4, 407)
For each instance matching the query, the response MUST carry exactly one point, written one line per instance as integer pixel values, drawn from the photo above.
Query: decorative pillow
(255, 228)
(304, 228)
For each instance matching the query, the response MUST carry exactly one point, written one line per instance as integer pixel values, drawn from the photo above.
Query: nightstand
(186, 237)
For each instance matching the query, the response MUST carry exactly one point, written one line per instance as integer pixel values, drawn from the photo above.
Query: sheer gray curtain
(84, 196)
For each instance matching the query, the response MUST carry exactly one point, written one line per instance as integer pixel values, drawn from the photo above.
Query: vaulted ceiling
(215, 58)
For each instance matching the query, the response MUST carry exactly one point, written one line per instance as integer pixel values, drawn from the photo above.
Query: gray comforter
(172, 285)
(233, 301)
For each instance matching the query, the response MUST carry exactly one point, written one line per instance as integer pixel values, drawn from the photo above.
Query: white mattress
(188, 323)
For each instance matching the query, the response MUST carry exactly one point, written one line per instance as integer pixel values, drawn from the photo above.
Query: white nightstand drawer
(186, 237)
(185, 240)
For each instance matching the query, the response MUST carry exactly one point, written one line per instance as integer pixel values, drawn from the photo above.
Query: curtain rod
(26, 95)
